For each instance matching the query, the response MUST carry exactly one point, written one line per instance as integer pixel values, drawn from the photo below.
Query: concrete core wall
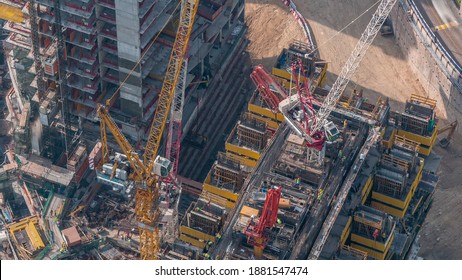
(128, 45)
(437, 75)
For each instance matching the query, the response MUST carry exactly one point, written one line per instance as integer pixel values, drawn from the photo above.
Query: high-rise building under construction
(107, 47)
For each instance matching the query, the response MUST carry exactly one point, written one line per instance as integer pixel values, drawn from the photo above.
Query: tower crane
(255, 229)
(146, 172)
(311, 133)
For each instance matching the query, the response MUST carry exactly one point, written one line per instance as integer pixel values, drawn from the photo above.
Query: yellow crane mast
(147, 172)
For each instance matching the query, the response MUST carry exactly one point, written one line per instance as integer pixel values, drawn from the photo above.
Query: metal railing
(301, 21)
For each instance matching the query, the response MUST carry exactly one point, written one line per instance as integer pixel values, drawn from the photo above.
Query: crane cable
(341, 30)
(109, 101)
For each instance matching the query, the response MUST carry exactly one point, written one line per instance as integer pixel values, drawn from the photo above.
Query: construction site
(153, 130)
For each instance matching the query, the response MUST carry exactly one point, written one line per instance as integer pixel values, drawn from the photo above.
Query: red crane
(270, 91)
(273, 93)
(255, 230)
(306, 101)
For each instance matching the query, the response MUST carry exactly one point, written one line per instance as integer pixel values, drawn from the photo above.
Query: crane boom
(170, 81)
(132, 156)
(176, 117)
(146, 177)
(328, 105)
(350, 67)
(270, 91)
(255, 229)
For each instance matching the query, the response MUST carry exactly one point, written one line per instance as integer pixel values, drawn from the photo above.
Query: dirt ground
(384, 71)
(271, 28)
(440, 236)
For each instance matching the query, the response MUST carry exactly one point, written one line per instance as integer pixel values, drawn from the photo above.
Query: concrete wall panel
(428, 61)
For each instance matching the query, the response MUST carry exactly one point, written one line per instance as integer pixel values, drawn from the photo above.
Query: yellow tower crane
(147, 172)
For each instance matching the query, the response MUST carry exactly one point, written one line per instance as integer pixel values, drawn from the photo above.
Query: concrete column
(129, 51)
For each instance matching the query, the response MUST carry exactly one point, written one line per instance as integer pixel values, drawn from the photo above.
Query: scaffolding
(252, 132)
(227, 173)
(41, 85)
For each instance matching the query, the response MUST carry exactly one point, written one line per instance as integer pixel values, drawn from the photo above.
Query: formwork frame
(389, 187)
(252, 131)
(227, 170)
(413, 124)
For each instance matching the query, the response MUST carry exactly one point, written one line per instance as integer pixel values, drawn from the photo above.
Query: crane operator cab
(162, 166)
(332, 132)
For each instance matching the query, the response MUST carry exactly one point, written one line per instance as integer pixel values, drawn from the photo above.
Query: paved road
(443, 16)
(55, 207)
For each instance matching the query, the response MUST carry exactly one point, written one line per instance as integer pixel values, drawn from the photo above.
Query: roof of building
(45, 170)
(72, 236)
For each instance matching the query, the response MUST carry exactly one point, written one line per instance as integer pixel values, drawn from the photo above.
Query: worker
(297, 182)
(210, 243)
(207, 256)
(343, 158)
(279, 221)
(340, 153)
(320, 193)
(218, 236)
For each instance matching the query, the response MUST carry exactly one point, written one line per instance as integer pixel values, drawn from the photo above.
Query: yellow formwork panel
(280, 73)
(366, 190)
(29, 224)
(387, 209)
(34, 236)
(426, 141)
(370, 253)
(346, 231)
(221, 192)
(11, 13)
(265, 112)
(378, 246)
(249, 211)
(284, 83)
(219, 200)
(271, 124)
(388, 143)
(243, 160)
(196, 234)
(400, 204)
(323, 75)
(425, 150)
(192, 241)
(242, 151)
